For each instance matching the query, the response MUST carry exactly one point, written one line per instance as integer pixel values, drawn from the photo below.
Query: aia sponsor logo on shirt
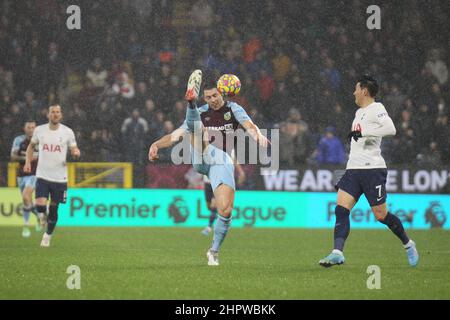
(51, 147)
(357, 127)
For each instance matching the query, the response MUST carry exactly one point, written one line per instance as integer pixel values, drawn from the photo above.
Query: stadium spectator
(430, 156)
(437, 67)
(331, 74)
(330, 149)
(294, 136)
(441, 136)
(122, 86)
(134, 130)
(55, 68)
(31, 105)
(141, 96)
(202, 14)
(97, 74)
(394, 100)
(281, 65)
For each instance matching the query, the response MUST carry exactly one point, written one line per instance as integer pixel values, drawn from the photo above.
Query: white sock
(336, 251)
(409, 244)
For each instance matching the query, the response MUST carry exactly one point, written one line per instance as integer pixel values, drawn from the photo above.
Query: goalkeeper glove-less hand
(355, 135)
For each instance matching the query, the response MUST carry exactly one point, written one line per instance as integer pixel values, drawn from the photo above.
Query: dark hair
(369, 82)
(209, 83)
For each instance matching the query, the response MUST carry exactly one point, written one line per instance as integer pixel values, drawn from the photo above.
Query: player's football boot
(206, 231)
(332, 259)
(412, 254)
(26, 232)
(213, 258)
(46, 240)
(193, 86)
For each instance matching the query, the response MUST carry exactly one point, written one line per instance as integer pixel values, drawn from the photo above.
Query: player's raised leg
(396, 226)
(193, 120)
(345, 203)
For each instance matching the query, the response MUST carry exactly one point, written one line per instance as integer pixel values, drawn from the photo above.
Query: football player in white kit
(53, 139)
(366, 173)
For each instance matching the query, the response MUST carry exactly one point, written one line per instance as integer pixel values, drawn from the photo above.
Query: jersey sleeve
(35, 137)
(239, 113)
(71, 142)
(16, 145)
(381, 124)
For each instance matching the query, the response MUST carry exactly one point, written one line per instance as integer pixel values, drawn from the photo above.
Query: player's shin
(341, 228)
(396, 226)
(220, 232)
(193, 120)
(26, 214)
(34, 210)
(52, 218)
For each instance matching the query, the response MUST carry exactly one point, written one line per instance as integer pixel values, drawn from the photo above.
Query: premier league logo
(435, 215)
(178, 210)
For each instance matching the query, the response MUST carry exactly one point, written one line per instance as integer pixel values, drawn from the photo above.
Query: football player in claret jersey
(54, 140)
(26, 181)
(366, 173)
(216, 122)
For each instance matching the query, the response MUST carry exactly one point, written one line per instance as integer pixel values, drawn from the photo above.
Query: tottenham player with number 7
(53, 139)
(366, 173)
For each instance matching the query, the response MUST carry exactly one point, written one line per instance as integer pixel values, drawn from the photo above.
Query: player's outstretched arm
(165, 142)
(255, 133)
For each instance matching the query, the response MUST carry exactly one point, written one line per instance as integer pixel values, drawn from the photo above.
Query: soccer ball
(229, 85)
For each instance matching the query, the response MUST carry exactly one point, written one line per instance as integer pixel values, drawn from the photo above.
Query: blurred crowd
(120, 79)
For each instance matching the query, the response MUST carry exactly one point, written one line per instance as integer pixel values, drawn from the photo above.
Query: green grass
(170, 263)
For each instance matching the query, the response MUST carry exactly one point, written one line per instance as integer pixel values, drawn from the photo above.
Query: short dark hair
(209, 83)
(370, 83)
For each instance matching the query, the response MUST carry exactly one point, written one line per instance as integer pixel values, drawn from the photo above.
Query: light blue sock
(26, 214)
(220, 231)
(193, 121)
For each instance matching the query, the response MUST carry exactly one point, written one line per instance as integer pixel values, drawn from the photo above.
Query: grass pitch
(170, 263)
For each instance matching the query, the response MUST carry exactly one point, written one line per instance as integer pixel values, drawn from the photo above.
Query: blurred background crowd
(121, 79)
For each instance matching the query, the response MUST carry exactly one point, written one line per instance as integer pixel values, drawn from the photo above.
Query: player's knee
(226, 210)
(41, 209)
(380, 215)
(26, 199)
